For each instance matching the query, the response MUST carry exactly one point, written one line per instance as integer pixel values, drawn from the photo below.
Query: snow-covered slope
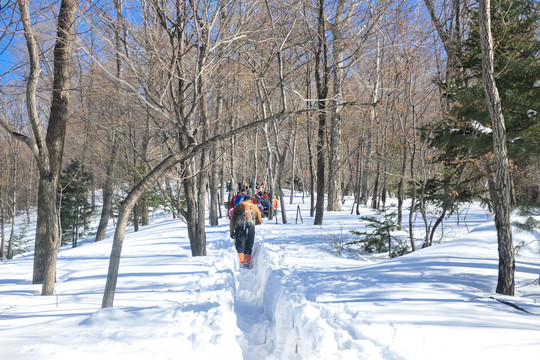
(298, 302)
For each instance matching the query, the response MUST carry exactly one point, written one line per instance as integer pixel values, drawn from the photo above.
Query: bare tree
(342, 16)
(108, 186)
(449, 28)
(48, 149)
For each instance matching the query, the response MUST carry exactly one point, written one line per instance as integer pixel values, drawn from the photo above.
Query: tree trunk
(191, 204)
(309, 141)
(293, 159)
(200, 242)
(49, 152)
(15, 149)
(506, 282)
(338, 55)
(265, 108)
(50, 232)
(401, 186)
(114, 260)
(372, 115)
(125, 208)
(375, 197)
(214, 187)
(108, 193)
(213, 212)
(321, 82)
(282, 156)
(358, 178)
(2, 232)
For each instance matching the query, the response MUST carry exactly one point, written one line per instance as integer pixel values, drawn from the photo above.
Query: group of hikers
(246, 210)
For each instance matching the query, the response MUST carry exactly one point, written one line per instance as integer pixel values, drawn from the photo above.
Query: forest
(111, 107)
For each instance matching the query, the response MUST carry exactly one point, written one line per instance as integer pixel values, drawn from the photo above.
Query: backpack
(245, 215)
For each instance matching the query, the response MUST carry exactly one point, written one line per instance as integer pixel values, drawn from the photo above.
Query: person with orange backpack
(244, 218)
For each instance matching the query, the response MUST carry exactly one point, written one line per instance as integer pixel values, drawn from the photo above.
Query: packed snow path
(254, 327)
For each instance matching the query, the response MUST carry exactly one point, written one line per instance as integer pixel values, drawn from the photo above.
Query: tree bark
(401, 186)
(293, 160)
(506, 282)
(321, 82)
(15, 149)
(338, 54)
(108, 193)
(309, 143)
(214, 171)
(2, 231)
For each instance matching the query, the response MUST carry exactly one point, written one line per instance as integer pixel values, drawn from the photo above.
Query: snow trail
(248, 306)
(264, 308)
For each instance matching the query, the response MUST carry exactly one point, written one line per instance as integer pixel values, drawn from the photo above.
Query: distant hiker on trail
(256, 201)
(244, 218)
(262, 201)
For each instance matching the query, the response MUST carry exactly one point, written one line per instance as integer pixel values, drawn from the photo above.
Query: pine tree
(465, 134)
(514, 25)
(382, 237)
(74, 206)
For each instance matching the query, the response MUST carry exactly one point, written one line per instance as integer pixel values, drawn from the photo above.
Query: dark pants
(244, 239)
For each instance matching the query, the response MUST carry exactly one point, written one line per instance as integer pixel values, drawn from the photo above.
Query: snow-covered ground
(298, 302)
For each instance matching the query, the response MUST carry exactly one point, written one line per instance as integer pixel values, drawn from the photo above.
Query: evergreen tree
(464, 137)
(382, 237)
(74, 206)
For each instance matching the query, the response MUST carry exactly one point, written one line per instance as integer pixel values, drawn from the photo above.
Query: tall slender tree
(322, 79)
(506, 282)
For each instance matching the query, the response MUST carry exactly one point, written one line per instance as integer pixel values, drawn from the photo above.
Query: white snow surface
(298, 302)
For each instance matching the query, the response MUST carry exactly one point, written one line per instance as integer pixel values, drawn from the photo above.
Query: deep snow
(298, 302)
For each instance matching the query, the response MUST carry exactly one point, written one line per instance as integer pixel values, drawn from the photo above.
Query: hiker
(261, 203)
(239, 197)
(244, 218)
(256, 201)
(234, 201)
